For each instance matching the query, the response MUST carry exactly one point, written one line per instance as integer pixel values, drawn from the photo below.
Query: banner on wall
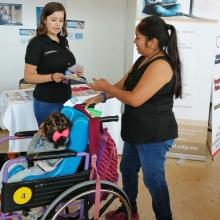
(192, 111)
(215, 120)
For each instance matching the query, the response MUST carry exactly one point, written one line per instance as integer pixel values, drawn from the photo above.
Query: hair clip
(57, 135)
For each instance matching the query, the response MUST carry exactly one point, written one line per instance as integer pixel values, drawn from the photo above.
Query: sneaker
(119, 215)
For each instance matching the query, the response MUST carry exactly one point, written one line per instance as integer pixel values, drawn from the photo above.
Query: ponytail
(173, 54)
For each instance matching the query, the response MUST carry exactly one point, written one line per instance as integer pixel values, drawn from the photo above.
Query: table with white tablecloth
(17, 114)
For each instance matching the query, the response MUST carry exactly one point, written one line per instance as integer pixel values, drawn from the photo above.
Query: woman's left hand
(99, 85)
(93, 100)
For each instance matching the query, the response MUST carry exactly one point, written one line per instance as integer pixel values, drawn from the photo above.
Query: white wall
(105, 51)
(102, 50)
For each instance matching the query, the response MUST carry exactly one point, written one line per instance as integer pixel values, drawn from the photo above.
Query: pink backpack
(102, 149)
(107, 158)
(104, 157)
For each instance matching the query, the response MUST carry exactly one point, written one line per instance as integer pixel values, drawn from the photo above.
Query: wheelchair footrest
(31, 194)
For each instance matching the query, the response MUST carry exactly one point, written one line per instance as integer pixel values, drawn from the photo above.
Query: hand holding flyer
(75, 72)
(77, 69)
(75, 77)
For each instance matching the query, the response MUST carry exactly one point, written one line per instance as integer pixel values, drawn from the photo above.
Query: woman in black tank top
(148, 122)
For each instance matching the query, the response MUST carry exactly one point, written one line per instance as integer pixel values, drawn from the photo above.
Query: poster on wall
(38, 14)
(192, 111)
(165, 8)
(215, 140)
(26, 34)
(10, 14)
(75, 29)
(75, 24)
(202, 9)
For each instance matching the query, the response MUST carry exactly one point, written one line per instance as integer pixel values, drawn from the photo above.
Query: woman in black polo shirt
(47, 58)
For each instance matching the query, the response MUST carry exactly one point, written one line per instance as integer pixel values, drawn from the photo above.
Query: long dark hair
(156, 27)
(55, 122)
(49, 9)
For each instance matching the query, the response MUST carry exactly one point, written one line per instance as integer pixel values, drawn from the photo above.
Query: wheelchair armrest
(50, 155)
(25, 133)
(10, 155)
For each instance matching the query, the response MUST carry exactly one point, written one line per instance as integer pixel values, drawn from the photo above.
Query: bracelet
(104, 97)
(51, 76)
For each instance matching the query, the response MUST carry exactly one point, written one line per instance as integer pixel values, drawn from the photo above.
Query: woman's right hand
(57, 77)
(93, 100)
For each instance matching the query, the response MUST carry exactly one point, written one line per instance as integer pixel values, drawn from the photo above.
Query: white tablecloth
(19, 116)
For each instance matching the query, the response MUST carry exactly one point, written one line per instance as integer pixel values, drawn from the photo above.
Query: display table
(16, 114)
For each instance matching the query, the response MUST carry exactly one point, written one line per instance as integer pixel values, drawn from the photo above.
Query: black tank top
(154, 120)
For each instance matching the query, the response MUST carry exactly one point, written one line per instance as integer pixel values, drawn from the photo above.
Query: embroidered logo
(50, 51)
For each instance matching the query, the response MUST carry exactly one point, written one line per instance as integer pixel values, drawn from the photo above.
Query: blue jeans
(44, 109)
(151, 157)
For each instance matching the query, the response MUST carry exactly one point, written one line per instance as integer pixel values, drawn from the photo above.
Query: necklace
(149, 59)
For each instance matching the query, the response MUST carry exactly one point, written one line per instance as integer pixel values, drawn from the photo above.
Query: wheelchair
(66, 191)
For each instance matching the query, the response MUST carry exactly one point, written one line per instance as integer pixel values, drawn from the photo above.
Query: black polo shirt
(50, 57)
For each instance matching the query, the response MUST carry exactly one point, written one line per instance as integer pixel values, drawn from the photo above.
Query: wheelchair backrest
(78, 142)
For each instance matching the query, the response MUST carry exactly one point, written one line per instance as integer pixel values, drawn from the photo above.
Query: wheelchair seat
(78, 143)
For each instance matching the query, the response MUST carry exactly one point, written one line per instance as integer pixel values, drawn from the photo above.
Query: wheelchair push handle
(102, 119)
(109, 118)
(90, 106)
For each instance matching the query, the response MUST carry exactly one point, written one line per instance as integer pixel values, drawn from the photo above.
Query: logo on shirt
(50, 51)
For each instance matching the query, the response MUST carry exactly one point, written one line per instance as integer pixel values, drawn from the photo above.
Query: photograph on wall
(26, 35)
(10, 14)
(174, 8)
(75, 24)
(27, 32)
(164, 8)
(73, 32)
(38, 14)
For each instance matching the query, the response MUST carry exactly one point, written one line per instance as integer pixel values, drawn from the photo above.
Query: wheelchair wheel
(77, 202)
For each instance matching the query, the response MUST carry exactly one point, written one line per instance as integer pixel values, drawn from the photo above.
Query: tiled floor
(194, 189)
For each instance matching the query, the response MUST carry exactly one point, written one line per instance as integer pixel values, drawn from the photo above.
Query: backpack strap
(94, 137)
(97, 186)
(82, 109)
